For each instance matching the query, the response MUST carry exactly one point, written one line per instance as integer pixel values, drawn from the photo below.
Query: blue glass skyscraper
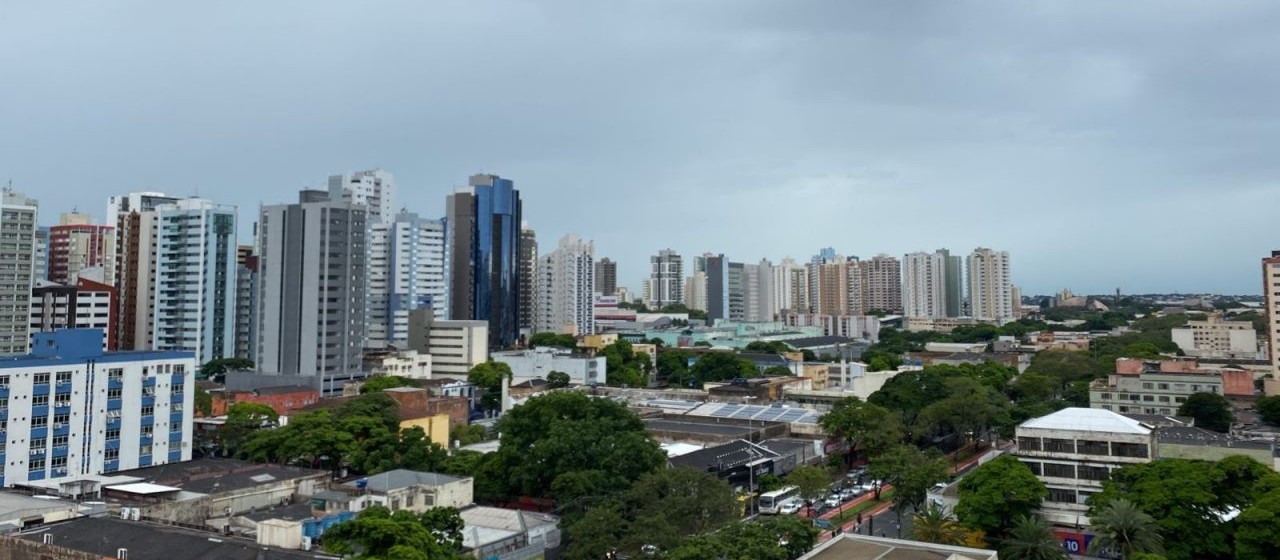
(483, 225)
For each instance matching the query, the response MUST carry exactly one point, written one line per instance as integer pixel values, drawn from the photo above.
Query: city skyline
(884, 127)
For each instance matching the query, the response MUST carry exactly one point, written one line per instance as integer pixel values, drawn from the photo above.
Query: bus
(770, 502)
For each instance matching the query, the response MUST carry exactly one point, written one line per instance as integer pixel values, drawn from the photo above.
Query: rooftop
(104, 536)
(403, 478)
(209, 476)
(817, 341)
(724, 456)
(849, 547)
(1201, 436)
(757, 412)
(1088, 420)
(291, 512)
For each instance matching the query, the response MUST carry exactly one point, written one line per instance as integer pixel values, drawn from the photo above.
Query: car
(790, 508)
(833, 501)
(849, 493)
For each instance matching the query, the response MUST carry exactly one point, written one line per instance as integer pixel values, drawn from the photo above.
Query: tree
(488, 377)
(1031, 539)
(997, 493)
(813, 482)
(935, 524)
(1121, 527)
(555, 340)
(573, 442)
(468, 434)
(911, 472)
(861, 424)
(970, 409)
(219, 366)
(781, 537)
(1210, 410)
(244, 418)
(776, 371)
(557, 380)
(768, 347)
(378, 534)
(673, 365)
(380, 383)
(721, 366)
(626, 367)
(1269, 409)
(1257, 528)
(909, 393)
(204, 402)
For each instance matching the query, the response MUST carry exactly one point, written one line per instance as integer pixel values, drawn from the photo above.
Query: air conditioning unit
(306, 543)
(57, 425)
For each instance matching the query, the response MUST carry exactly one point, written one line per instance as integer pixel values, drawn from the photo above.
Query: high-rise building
(717, 271)
(666, 279)
(416, 278)
(924, 284)
(484, 221)
(790, 287)
(1271, 297)
(195, 282)
(77, 411)
(954, 283)
(77, 244)
(18, 228)
(374, 188)
(246, 302)
(882, 284)
(835, 285)
(528, 271)
(990, 294)
(759, 303)
(84, 305)
(42, 253)
(133, 215)
(695, 291)
(606, 277)
(312, 288)
(563, 291)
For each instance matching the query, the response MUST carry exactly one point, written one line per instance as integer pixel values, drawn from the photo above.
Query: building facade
(536, 363)
(1271, 302)
(1216, 337)
(407, 272)
(454, 346)
(564, 289)
(374, 189)
(924, 286)
(75, 411)
(484, 222)
(1074, 450)
(606, 277)
(133, 216)
(83, 305)
(990, 287)
(17, 262)
(195, 280)
(1161, 387)
(312, 288)
(666, 279)
(77, 244)
(246, 329)
(882, 284)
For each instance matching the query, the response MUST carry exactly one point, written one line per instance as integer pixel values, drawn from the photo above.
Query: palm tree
(1031, 539)
(1121, 527)
(936, 525)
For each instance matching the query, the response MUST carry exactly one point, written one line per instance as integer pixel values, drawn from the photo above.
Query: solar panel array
(757, 412)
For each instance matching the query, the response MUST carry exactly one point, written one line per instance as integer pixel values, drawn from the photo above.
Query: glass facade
(494, 257)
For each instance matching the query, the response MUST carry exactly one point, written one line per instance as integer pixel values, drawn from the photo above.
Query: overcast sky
(1103, 144)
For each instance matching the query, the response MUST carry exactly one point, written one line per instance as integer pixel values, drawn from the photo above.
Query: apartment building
(77, 244)
(665, 285)
(454, 346)
(72, 410)
(1074, 450)
(17, 274)
(406, 272)
(990, 287)
(1216, 337)
(1161, 386)
(83, 305)
(133, 216)
(195, 278)
(1271, 301)
(564, 288)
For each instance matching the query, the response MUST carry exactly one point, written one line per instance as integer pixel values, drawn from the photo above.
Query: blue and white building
(406, 273)
(195, 278)
(71, 410)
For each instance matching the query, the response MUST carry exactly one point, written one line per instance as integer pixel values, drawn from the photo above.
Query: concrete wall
(197, 511)
(18, 549)
(280, 533)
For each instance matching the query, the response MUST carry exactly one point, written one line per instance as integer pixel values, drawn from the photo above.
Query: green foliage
(220, 366)
(934, 524)
(673, 366)
(911, 472)
(1188, 498)
(769, 347)
(862, 424)
(555, 340)
(1066, 366)
(659, 509)
(1269, 409)
(997, 493)
(780, 537)
(1257, 528)
(768, 482)
(557, 380)
(573, 443)
(1210, 410)
(909, 393)
(969, 409)
(776, 371)
(814, 482)
(680, 308)
(378, 534)
(488, 378)
(380, 383)
(625, 366)
(243, 419)
(1121, 527)
(1031, 539)
(712, 367)
(204, 402)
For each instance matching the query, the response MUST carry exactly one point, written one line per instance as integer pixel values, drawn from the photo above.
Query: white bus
(770, 502)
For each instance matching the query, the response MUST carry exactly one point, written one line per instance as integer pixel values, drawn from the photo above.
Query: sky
(1105, 145)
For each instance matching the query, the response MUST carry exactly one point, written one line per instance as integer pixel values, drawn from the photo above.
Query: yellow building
(436, 427)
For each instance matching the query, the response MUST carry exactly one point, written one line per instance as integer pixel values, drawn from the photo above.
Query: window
(40, 379)
(1094, 473)
(40, 400)
(1129, 450)
(1059, 470)
(1062, 495)
(63, 377)
(144, 450)
(1147, 385)
(1059, 445)
(147, 431)
(114, 393)
(113, 433)
(1029, 443)
(149, 410)
(61, 418)
(37, 444)
(115, 374)
(1164, 386)
(113, 454)
(58, 462)
(408, 501)
(1148, 398)
(176, 425)
(1164, 399)
(1034, 466)
(35, 465)
(177, 407)
(39, 421)
(59, 441)
(4, 382)
(1106, 396)
(1090, 447)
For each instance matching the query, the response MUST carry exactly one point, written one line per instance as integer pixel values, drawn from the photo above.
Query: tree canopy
(243, 419)
(712, 367)
(378, 534)
(487, 377)
(998, 493)
(1269, 409)
(558, 380)
(779, 537)
(862, 424)
(219, 366)
(380, 383)
(813, 482)
(626, 367)
(1210, 410)
(1031, 538)
(912, 473)
(551, 339)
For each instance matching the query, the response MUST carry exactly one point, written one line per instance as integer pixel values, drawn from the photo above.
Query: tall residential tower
(484, 242)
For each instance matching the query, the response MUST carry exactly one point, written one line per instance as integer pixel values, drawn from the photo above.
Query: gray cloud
(1103, 144)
